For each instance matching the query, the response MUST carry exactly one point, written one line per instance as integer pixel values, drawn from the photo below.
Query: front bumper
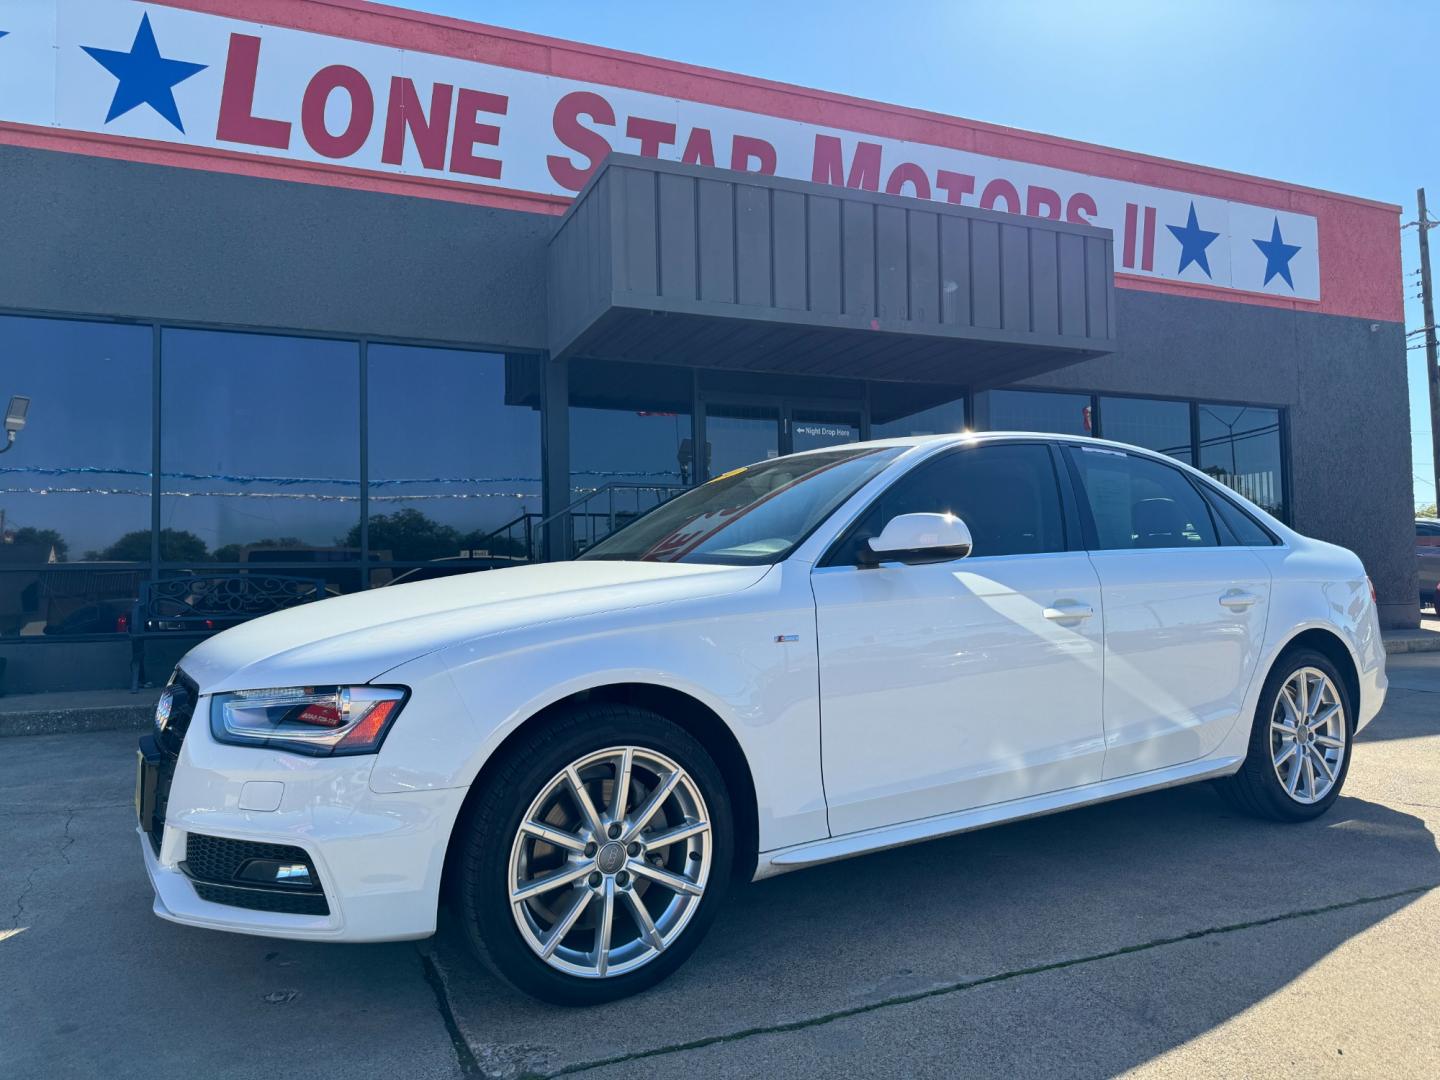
(378, 857)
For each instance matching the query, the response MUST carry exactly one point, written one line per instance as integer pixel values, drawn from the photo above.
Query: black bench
(198, 605)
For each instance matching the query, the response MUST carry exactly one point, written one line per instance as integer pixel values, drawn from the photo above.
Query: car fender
(1341, 608)
(751, 661)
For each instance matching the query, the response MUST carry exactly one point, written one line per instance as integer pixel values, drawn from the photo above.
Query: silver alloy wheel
(1309, 735)
(610, 862)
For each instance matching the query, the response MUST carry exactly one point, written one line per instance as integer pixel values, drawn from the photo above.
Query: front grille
(214, 863)
(184, 694)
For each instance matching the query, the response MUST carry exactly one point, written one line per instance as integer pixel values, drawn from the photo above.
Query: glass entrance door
(742, 431)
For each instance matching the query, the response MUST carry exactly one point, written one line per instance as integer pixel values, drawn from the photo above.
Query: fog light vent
(276, 872)
(248, 864)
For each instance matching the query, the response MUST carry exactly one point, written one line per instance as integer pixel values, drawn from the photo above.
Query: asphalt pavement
(1159, 936)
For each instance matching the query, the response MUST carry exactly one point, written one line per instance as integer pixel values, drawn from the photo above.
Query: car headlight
(317, 720)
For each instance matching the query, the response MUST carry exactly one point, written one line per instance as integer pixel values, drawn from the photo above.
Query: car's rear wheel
(597, 855)
(1299, 752)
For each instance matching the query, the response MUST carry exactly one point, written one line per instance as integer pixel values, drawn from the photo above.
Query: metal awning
(667, 263)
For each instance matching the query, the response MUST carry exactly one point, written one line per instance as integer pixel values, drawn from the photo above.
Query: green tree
(46, 538)
(176, 545)
(408, 535)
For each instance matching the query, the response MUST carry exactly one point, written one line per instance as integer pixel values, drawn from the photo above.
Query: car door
(958, 684)
(1184, 614)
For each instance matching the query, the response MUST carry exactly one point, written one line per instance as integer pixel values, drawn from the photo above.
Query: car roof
(968, 438)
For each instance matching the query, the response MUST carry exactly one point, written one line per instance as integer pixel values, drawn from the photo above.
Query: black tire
(485, 833)
(1256, 789)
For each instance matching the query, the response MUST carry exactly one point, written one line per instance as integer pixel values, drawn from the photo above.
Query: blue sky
(1319, 92)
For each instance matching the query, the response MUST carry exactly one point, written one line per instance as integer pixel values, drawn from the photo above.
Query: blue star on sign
(1277, 255)
(1193, 242)
(144, 76)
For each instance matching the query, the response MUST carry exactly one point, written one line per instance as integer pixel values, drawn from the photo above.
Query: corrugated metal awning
(661, 262)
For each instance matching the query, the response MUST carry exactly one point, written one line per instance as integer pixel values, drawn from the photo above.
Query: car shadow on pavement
(947, 916)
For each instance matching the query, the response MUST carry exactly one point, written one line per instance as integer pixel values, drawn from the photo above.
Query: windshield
(751, 515)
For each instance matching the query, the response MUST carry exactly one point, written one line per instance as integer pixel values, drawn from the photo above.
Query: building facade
(355, 293)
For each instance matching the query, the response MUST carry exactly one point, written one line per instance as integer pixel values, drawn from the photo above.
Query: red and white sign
(173, 75)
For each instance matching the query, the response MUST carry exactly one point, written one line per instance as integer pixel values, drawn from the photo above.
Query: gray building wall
(96, 236)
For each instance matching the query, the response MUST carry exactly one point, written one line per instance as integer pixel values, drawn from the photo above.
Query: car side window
(1137, 502)
(1239, 528)
(1007, 493)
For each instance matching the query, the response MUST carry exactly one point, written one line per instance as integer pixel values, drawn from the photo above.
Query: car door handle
(1062, 610)
(1237, 600)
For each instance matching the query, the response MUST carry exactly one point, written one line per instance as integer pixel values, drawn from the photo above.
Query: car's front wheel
(1299, 751)
(596, 856)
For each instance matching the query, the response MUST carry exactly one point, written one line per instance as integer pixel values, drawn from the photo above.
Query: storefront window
(67, 600)
(260, 448)
(454, 457)
(738, 434)
(815, 429)
(1163, 426)
(1035, 410)
(630, 424)
(631, 443)
(898, 410)
(1240, 446)
(75, 487)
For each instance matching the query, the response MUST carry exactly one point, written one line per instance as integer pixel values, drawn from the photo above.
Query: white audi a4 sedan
(815, 657)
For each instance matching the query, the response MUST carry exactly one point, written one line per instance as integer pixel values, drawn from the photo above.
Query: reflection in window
(1163, 426)
(738, 435)
(1240, 447)
(1138, 502)
(630, 442)
(454, 454)
(67, 602)
(76, 485)
(260, 447)
(752, 515)
(1007, 494)
(1035, 410)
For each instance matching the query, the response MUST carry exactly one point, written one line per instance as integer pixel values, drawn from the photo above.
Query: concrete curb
(1411, 641)
(62, 721)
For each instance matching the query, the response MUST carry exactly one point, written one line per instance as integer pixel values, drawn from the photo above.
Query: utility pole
(1432, 369)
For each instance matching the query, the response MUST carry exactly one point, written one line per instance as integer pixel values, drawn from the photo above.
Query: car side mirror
(919, 538)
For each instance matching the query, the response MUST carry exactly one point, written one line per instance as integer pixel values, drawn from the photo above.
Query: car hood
(357, 638)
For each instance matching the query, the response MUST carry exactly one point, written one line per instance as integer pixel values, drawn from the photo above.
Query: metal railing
(589, 519)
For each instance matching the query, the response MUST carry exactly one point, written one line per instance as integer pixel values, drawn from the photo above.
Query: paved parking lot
(1161, 936)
